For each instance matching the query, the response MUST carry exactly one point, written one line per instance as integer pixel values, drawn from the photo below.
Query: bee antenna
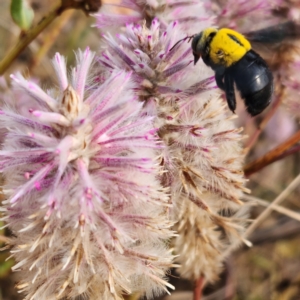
(187, 37)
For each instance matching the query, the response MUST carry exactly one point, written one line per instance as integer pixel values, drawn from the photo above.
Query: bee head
(201, 43)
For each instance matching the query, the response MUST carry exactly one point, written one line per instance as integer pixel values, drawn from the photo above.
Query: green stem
(88, 6)
(28, 38)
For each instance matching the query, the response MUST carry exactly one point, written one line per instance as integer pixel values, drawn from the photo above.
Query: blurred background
(268, 270)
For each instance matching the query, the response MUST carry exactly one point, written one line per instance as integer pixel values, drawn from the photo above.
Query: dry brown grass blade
(285, 211)
(272, 155)
(266, 212)
(295, 183)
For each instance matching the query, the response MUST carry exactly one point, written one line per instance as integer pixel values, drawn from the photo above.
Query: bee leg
(229, 90)
(219, 80)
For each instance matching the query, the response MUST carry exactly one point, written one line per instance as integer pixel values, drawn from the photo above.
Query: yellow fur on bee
(224, 50)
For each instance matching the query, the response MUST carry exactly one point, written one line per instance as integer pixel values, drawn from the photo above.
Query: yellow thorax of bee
(227, 46)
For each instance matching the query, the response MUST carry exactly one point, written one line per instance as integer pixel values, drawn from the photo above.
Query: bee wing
(276, 44)
(275, 34)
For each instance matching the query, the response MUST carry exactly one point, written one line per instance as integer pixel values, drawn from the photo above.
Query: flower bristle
(83, 199)
(202, 157)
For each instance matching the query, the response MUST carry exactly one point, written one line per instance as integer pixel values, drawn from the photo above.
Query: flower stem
(272, 155)
(197, 295)
(87, 6)
(27, 38)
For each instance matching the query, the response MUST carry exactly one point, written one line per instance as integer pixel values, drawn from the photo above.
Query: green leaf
(21, 13)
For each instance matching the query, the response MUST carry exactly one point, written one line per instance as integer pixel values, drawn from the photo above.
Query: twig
(28, 38)
(86, 5)
(291, 151)
(278, 208)
(272, 155)
(33, 46)
(264, 214)
(276, 202)
(197, 295)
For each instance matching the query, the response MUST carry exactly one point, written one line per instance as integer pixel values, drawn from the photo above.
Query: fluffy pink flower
(83, 200)
(202, 156)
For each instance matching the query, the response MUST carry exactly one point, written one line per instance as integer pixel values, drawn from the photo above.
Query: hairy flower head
(202, 158)
(83, 200)
(160, 70)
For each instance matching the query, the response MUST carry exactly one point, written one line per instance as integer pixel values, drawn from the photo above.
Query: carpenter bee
(230, 55)
(233, 60)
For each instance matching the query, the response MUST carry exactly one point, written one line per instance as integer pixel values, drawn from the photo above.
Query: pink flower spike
(84, 61)
(44, 139)
(33, 90)
(64, 150)
(202, 170)
(49, 117)
(59, 64)
(37, 185)
(27, 187)
(70, 195)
